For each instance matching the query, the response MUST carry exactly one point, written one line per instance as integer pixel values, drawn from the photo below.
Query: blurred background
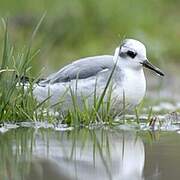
(78, 28)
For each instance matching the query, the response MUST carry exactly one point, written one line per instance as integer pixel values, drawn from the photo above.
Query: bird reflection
(88, 154)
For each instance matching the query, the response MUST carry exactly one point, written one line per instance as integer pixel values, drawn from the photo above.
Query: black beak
(148, 65)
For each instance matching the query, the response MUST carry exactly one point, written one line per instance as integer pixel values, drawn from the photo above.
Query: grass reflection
(28, 153)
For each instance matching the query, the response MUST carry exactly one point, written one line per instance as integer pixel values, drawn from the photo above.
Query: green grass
(16, 104)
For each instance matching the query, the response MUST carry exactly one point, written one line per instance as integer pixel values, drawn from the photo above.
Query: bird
(87, 78)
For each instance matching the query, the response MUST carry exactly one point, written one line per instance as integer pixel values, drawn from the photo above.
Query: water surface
(44, 154)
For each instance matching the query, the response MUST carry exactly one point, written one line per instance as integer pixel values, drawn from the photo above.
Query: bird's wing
(81, 69)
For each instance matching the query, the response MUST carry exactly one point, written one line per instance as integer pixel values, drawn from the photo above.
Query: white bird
(89, 75)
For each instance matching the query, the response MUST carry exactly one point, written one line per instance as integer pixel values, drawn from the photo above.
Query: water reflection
(80, 154)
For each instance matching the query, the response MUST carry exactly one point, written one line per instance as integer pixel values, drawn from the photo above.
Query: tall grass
(16, 104)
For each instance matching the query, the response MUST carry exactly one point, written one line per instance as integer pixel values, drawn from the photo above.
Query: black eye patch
(131, 54)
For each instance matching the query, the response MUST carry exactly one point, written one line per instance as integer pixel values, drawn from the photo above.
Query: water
(45, 153)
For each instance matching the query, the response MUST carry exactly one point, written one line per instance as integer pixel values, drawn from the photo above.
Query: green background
(78, 28)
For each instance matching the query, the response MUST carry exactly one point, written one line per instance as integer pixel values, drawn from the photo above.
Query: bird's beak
(148, 65)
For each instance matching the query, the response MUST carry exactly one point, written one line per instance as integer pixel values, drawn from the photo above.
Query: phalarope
(90, 73)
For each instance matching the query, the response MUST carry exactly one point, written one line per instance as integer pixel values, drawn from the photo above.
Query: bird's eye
(131, 54)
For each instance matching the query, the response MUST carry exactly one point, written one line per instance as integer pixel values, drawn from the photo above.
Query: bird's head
(132, 54)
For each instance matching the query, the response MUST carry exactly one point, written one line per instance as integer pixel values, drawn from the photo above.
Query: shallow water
(44, 154)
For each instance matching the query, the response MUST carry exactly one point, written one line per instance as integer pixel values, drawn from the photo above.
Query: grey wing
(81, 69)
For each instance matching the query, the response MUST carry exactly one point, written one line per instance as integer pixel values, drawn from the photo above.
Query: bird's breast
(132, 88)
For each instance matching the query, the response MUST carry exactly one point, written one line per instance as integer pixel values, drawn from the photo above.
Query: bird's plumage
(81, 69)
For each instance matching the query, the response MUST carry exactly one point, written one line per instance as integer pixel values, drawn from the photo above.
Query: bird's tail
(24, 79)
(27, 80)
